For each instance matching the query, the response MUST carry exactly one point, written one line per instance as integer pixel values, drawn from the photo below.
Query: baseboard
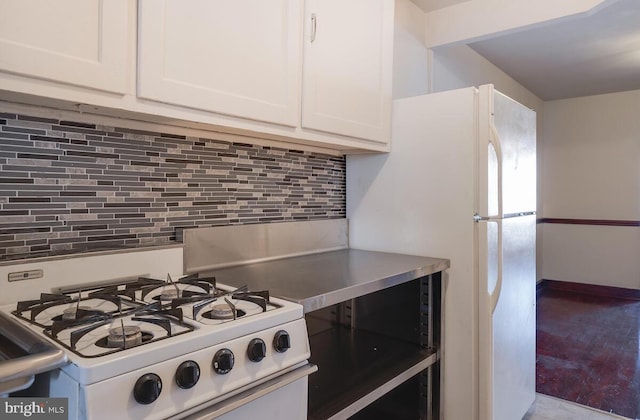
(588, 289)
(540, 287)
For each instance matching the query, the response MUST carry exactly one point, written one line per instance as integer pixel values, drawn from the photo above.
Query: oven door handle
(253, 392)
(40, 356)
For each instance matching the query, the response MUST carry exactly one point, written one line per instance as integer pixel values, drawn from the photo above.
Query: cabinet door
(79, 42)
(234, 57)
(347, 71)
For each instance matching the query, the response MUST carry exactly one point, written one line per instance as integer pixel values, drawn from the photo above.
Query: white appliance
(460, 183)
(153, 348)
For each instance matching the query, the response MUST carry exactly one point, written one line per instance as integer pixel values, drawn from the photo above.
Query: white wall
(460, 66)
(417, 70)
(591, 155)
(410, 72)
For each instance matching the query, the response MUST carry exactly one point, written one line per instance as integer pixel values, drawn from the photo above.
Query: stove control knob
(223, 361)
(281, 341)
(187, 374)
(147, 388)
(257, 350)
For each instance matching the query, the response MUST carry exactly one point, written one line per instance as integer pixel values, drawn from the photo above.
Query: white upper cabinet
(233, 57)
(347, 73)
(76, 42)
(315, 73)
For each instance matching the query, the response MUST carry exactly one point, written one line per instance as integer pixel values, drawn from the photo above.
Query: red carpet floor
(588, 350)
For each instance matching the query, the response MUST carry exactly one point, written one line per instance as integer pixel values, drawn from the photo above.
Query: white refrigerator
(460, 183)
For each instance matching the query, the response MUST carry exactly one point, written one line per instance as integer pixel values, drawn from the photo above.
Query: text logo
(34, 408)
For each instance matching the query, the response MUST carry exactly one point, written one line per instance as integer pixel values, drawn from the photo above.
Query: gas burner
(169, 294)
(75, 315)
(73, 312)
(101, 335)
(124, 337)
(185, 287)
(127, 336)
(54, 308)
(222, 311)
(225, 306)
(260, 298)
(46, 300)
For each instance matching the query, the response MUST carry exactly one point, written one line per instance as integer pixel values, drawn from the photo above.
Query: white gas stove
(158, 348)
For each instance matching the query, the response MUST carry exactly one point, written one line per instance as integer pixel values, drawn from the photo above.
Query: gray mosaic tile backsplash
(71, 187)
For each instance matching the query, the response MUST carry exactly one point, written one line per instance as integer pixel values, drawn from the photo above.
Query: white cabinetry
(77, 42)
(234, 57)
(247, 68)
(348, 58)
(243, 58)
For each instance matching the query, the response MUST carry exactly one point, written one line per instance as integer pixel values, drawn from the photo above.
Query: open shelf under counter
(356, 367)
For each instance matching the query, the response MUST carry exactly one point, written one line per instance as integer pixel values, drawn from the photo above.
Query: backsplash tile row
(71, 187)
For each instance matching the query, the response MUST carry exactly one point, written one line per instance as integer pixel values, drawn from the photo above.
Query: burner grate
(154, 323)
(80, 319)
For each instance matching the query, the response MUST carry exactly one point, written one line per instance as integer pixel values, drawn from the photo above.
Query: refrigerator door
(507, 137)
(507, 316)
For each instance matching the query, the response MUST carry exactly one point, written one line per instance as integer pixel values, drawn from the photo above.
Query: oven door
(274, 398)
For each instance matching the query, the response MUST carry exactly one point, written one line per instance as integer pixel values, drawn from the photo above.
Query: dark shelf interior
(401, 403)
(9, 350)
(353, 363)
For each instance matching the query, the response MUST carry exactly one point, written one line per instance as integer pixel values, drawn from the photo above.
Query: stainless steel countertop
(323, 279)
(36, 355)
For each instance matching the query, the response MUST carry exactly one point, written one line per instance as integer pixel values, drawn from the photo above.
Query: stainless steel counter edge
(319, 280)
(41, 356)
(340, 295)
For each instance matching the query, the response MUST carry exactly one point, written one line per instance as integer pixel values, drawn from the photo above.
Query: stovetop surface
(117, 317)
(167, 319)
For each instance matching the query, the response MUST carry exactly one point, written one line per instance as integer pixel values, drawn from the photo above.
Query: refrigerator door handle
(494, 139)
(495, 294)
(491, 261)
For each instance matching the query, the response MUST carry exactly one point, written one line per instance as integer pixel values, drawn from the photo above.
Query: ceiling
(596, 54)
(590, 55)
